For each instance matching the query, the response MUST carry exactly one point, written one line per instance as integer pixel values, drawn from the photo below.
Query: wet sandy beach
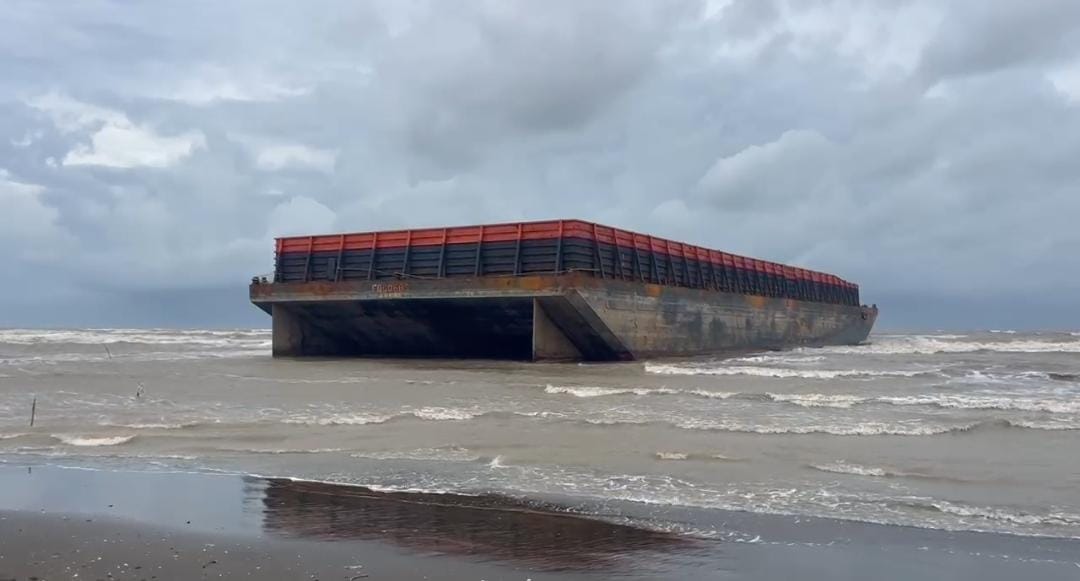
(55, 522)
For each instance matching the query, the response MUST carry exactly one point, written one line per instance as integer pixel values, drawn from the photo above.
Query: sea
(972, 431)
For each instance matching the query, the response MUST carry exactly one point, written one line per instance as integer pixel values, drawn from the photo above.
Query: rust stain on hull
(534, 317)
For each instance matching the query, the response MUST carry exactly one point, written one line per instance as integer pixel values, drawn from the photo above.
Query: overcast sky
(928, 150)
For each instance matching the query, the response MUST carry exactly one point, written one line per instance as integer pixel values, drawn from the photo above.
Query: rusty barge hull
(543, 317)
(556, 290)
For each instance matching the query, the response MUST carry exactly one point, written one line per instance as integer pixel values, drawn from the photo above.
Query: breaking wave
(854, 429)
(152, 425)
(440, 454)
(445, 414)
(672, 455)
(224, 338)
(359, 419)
(778, 372)
(945, 401)
(93, 441)
(585, 391)
(340, 420)
(999, 514)
(280, 451)
(929, 345)
(692, 456)
(984, 402)
(817, 399)
(589, 391)
(785, 359)
(854, 469)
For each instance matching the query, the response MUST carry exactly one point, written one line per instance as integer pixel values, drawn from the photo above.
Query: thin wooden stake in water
(33, 412)
(107, 352)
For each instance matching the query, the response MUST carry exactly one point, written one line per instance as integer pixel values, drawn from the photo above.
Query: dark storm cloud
(150, 151)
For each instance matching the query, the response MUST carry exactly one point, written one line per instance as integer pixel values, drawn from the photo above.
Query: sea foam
(778, 372)
(93, 441)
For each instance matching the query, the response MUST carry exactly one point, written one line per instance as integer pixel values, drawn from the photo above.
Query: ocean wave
(280, 451)
(984, 402)
(868, 428)
(1044, 375)
(779, 372)
(142, 356)
(92, 440)
(693, 456)
(590, 391)
(138, 336)
(440, 454)
(340, 420)
(672, 455)
(930, 345)
(360, 419)
(711, 394)
(299, 381)
(152, 425)
(854, 429)
(12, 436)
(445, 414)
(1049, 425)
(853, 469)
(781, 359)
(1001, 514)
(811, 400)
(586, 391)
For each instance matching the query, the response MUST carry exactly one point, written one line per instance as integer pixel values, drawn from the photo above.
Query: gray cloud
(150, 152)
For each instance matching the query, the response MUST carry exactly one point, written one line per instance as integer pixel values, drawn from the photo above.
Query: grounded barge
(555, 290)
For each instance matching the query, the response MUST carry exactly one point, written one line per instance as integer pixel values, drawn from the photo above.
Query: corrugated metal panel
(546, 247)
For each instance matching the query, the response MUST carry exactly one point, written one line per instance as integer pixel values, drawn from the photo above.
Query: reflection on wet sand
(485, 527)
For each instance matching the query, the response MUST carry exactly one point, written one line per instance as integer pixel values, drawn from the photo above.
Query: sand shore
(58, 523)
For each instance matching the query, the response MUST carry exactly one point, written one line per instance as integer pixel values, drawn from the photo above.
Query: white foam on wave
(440, 454)
(662, 455)
(152, 425)
(445, 414)
(853, 429)
(339, 420)
(781, 359)
(1005, 514)
(93, 441)
(1050, 425)
(362, 418)
(238, 338)
(986, 402)
(777, 372)
(930, 345)
(712, 394)
(587, 391)
(812, 400)
(12, 436)
(591, 391)
(143, 356)
(672, 455)
(842, 467)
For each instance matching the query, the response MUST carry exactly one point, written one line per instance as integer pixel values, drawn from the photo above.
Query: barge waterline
(560, 290)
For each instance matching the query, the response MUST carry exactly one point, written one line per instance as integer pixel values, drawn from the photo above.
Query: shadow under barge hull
(559, 290)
